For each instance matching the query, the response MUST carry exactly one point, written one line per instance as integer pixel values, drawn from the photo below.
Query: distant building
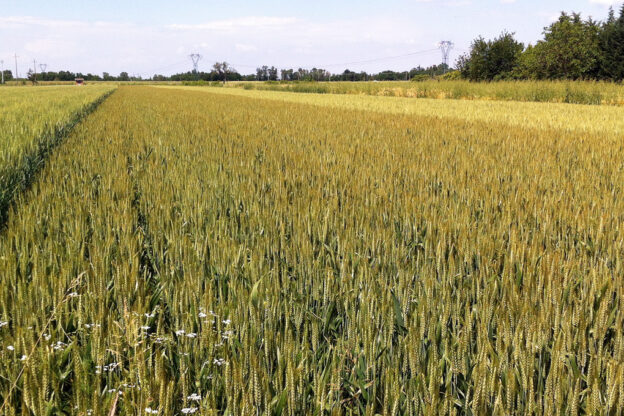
(80, 81)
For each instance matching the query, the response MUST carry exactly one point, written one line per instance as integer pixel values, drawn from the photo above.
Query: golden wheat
(219, 254)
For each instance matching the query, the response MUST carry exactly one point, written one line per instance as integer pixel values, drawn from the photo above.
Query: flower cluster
(195, 397)
(109, 367)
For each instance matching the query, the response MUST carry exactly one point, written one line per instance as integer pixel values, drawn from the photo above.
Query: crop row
(33, 121)
(192, 252)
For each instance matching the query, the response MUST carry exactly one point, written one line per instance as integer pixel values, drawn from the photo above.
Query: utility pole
(16, 74)
(43, 67)
(2, 69)
(35, 72)
(445, 47)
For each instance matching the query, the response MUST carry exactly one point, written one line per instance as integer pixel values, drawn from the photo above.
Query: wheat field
(190, 251)
(32, 122)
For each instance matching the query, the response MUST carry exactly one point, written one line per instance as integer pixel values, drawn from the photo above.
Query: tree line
(71, 76)
(571, 48)
(222, 71)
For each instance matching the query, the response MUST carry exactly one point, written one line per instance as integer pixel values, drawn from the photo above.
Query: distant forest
(572, 48)
(222, 71)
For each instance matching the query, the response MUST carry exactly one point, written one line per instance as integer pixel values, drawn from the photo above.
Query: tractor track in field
(16, 180)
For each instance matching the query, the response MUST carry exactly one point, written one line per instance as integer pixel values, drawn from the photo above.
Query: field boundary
(18, 178)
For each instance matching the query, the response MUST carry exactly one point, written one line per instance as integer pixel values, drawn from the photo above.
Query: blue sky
(156, 36)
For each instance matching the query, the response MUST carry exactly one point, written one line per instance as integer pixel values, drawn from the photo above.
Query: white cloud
(549, 16)
(25, 21)
(458, 3)
(251, 22)
(606, 2)
(61, 47)
(242, 47)
(253, 41)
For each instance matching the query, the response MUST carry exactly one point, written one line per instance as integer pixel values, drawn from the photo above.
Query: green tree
(530, 64)
(262, 74)
(287, 74)
(32, 76)
(222, 69)
(8, 75)
(612, 47)
(492, 59)
(272, 74)
(570, 48)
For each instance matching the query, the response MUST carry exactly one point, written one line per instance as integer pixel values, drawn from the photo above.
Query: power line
(196, 57)
(355, 62)
(176, 64)
(366, 61)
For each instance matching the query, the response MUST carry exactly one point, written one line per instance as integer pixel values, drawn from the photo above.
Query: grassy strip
(569, 92)
(14, 179)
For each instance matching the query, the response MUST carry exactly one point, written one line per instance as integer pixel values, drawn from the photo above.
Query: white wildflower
(189, 410)
(11, 348)
(180, 332)
(202, 315)
(151, 411)
(196, 397)
(58, 346)
(191, 335)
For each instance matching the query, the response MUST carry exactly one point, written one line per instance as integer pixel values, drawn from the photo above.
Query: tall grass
(190, 252)
(575, 92)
